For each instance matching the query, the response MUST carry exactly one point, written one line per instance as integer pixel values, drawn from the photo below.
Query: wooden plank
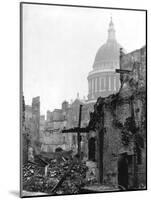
(78, 133)
(122, 71)
(76, 129)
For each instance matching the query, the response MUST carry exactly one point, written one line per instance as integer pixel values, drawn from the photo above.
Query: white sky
(60, 44)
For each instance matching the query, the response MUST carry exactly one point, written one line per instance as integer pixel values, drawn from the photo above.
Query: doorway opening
(92, 148)
(123, 170)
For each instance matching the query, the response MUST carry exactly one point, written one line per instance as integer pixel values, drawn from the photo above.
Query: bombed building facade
(120, 124)
(67, 117)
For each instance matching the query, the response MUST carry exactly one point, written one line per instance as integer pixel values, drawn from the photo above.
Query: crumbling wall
(122, 117)
(114, 116)
(120, 138)
(110, 148)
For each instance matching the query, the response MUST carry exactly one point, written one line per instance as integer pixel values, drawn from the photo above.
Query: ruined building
(36, 118)
(24, 136)
(32, 124)
(59, 119)
(119, 121)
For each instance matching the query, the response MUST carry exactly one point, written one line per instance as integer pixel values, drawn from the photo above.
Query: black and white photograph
(83, 99)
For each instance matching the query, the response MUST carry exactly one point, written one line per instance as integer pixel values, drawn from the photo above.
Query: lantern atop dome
(111, 31)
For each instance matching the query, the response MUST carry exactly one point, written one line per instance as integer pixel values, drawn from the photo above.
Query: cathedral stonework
(102, 80)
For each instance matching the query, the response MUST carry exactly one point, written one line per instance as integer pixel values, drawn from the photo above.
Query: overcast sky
(60, 44)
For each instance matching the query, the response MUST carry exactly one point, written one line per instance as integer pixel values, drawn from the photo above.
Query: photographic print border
(21, 83)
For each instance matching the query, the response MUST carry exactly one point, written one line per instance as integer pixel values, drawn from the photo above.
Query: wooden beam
(76, 129)
(122, 71)
(78, 133)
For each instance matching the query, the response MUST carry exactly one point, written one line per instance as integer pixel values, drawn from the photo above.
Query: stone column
(109, 88)
(92, 89)
(114, 83)
(104, 83)
(100, 85)
(95, 84)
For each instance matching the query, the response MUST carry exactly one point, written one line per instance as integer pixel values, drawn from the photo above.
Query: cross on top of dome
(111, 22)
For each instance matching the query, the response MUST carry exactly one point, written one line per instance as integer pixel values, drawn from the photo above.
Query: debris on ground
(55, 176)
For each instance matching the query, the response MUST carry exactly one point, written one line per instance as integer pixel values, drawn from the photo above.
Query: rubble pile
(74, 180)
(33, 178)
(36, 179)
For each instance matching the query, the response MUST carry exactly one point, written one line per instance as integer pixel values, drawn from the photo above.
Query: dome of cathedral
(109, 52)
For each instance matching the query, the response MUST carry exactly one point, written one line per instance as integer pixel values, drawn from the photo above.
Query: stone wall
(36, 118)
(121, 120)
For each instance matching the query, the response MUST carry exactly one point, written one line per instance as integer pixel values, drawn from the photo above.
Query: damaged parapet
(120, 123)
